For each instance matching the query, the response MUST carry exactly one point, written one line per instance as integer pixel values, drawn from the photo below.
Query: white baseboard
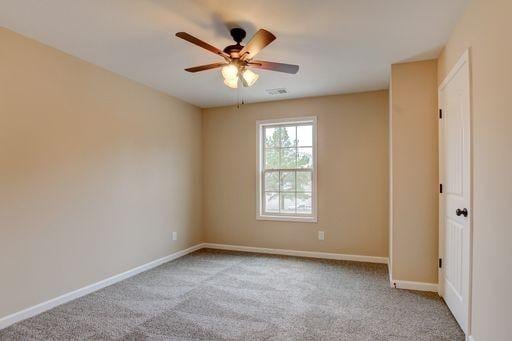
(52, 303)
(420, 286)
(44, 306)
(309, 254)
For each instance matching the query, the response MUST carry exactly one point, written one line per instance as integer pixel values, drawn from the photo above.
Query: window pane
(272, 181)
(288, 136)
(287, 173)
(272, 137)
(271, 158)
(305, 136)
(288, 158)
(304, 181)
(287, 203)
(272, 202)
(287, 181)
(304, 203)
(305, 158)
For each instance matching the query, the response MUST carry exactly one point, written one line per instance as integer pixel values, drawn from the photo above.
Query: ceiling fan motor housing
(238, 35)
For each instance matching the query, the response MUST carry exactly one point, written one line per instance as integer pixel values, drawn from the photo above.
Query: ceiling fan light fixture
(250, 77)
(238, 58)
(230, 72)
(231, 82)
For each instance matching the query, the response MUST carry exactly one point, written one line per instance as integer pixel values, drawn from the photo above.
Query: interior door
(455, 202)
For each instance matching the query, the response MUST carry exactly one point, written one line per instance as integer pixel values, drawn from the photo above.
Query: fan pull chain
(239, 99)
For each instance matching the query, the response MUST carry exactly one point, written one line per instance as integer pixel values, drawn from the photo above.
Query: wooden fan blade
(200, 43)
(205, 67)
(261, 39)
(279, 67)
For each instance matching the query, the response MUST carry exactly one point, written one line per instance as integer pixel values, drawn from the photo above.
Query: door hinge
(440, 188)
(440, 263)
(440, 113)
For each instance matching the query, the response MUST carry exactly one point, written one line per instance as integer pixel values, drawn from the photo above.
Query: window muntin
(286, 169)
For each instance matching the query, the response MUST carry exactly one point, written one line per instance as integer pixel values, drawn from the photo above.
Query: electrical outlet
(321, 235)
(175, 235)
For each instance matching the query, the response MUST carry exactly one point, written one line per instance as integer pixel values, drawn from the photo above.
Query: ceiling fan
(238, 58)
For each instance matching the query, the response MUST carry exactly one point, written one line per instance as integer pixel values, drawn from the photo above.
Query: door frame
(464, 61)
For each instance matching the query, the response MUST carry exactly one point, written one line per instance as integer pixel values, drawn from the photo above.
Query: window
(287, 169)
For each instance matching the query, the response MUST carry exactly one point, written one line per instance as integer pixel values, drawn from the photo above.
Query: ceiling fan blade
(260, 39)
(200, 43)
(279, 67)
(205, 67)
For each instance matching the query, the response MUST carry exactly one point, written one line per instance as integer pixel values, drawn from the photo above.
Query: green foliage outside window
(288, 149)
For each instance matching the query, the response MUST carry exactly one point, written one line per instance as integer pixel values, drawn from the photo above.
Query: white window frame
(260, 215)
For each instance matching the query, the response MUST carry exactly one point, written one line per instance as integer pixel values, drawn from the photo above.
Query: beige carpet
(219, 295)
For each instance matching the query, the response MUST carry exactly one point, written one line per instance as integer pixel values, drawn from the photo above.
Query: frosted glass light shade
(231, 82)
(250, 77)
(229, 71)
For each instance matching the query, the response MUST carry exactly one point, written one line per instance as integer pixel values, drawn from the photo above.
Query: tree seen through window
(288, 155)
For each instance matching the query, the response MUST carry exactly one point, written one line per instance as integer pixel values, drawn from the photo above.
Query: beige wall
(414, 171)
(352, 175)
(486, 29)
(96, 171)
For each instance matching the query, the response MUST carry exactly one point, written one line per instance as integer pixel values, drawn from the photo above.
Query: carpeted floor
(220, 295)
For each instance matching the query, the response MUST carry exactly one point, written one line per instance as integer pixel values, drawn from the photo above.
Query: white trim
(410, 285)
(390, 183)
(297, 253)
(462, 60)
(313, 218)
(470, 338)
(52, 303)
(307, 219)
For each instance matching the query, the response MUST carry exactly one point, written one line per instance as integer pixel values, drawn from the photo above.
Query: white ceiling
(341, 45)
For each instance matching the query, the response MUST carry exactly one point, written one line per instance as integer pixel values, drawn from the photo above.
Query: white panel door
(455, 202)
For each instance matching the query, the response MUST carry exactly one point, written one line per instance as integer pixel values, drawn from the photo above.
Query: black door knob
(460, 212)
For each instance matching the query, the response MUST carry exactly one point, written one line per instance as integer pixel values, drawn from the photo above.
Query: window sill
(287, 218)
